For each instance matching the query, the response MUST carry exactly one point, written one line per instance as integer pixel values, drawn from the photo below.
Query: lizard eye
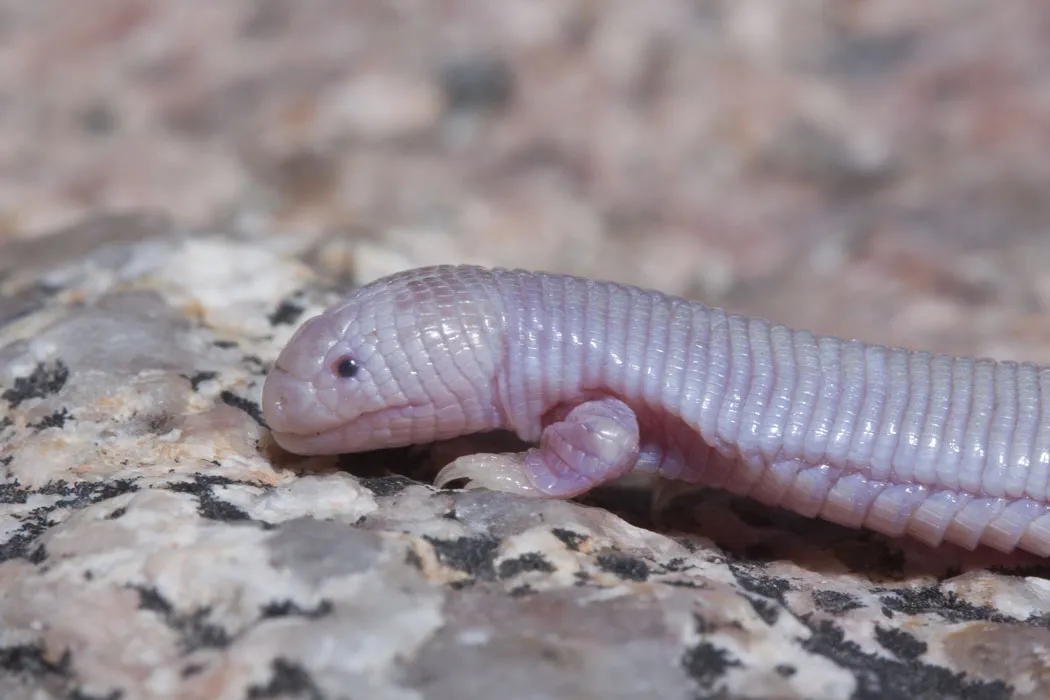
(346, 367)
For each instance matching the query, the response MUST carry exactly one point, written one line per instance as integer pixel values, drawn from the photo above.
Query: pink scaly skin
(607, 379)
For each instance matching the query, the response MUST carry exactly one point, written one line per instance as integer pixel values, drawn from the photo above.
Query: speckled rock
(155, 543)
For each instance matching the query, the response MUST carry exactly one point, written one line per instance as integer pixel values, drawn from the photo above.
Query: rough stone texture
(155, 543)
(876, 169)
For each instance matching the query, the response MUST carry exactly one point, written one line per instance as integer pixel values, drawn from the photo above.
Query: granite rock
(155, 543)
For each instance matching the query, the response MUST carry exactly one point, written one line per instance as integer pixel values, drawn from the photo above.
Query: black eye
(346, 367)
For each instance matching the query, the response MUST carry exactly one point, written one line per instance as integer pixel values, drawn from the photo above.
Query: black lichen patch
(117, 513)
(18, 545)
(289, 679)
(250, 407)
(13, 492)
(209, 505)
(533, 561)
(6, 423)
(38, 555)
(472, 555)
(764, 593)
(919, 601)
(677, 565)
(30, 660)
(194, 631)
(572, 540)
(151, 599)
(42, 382)
(835, 602)
(707, 664)
(1040, 620)
(197, 632)
(85, 493)
(74, 496)
(881, 678)
(200, 377)
(286, 313)
(763, 585)
(626, 567)
(259, 367)
(55, 420)
(904, 646)
(384, 486)
(288, 608)
(766, 609)
(4, 461)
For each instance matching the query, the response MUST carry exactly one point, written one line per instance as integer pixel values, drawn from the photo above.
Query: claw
(496, 472)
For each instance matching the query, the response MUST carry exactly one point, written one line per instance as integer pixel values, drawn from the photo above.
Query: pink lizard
(605, 379)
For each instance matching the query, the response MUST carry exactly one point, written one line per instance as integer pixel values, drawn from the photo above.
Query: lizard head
(410, 358)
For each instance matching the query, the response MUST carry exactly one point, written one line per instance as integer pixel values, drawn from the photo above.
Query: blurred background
(873, 168)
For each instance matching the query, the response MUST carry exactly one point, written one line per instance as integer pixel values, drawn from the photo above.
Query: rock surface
(156, 544)
(182, 183)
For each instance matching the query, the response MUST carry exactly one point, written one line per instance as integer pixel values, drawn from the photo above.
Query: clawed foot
(594, 442)
(497, 472)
